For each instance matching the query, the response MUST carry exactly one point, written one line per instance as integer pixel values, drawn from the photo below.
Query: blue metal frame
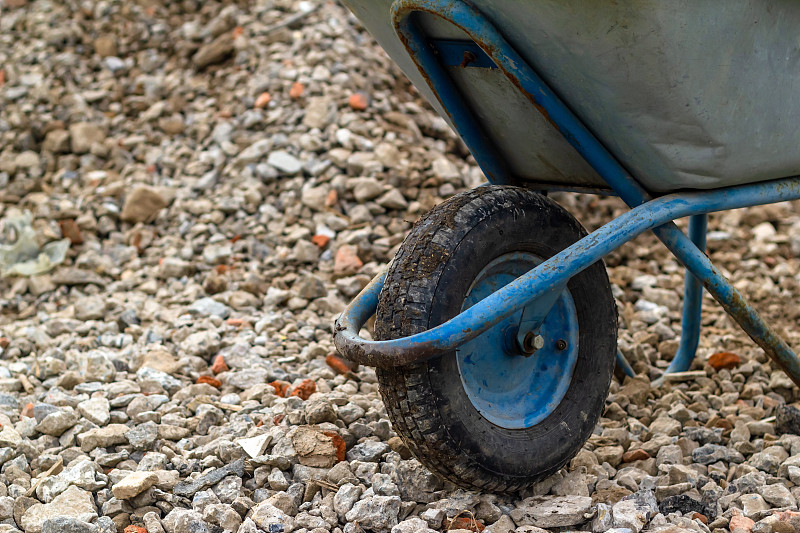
(646, 213)
(692, 303)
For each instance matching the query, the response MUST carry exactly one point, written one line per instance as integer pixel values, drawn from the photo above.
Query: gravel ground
(215, 180)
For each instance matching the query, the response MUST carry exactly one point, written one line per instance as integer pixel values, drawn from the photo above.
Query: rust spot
(469, 58)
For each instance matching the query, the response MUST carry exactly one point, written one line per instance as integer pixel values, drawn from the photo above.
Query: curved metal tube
(692, 304)
(556, 270)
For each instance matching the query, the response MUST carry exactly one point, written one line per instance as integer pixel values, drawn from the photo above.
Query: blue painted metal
(559, 268)
(624, 365)
(692, 307)
(732, 300)
(456, 108)
(459, 53)
(480, 30)
(645, 214)
(508, 388)
(692, 303)
(534, 314)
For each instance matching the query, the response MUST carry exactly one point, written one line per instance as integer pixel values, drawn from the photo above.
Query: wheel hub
(513, 384)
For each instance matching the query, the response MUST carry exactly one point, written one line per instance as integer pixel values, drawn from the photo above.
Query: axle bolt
(561, 344)
(531, 343)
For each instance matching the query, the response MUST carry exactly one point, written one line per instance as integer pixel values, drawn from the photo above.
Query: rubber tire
(426, 285)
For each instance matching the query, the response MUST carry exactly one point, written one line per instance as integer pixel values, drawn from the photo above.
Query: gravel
(229, 175)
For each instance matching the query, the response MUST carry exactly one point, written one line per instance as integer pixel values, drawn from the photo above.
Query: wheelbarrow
(496, 329)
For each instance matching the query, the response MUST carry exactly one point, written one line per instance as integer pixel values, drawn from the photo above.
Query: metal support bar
(731, 300)
(654, 215)
(624, 365)
(692, 303)
(692, 307)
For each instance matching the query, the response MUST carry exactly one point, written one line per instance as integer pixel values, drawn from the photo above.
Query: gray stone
(319, 410)
(209, 307)
(214, 52)
(63, 524)
(753, 505)
(57, 422)
(320, 111)
(412, 525)
(347, 496)
(376, 512)
(90, 308)
(286, 163)
(83, 135)
(95, 410)
(603, 518)
(103, 437)
(134, 484)
(417, 483)
(184, 521)
(72, 503)
(267, 517)
(143, 204)
(552, 511)
(769, 460)
(635, 511)
(189, 488)
(368, 451)
(777, 495)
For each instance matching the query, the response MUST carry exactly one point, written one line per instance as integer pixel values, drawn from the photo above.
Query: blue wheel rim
(508, 389)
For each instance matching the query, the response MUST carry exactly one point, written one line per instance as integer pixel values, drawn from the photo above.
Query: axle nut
(532, 342)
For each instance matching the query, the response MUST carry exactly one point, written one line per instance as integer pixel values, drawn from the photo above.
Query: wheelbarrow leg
(692, 307)
(692, 303)
(730, 299)
(624, 366)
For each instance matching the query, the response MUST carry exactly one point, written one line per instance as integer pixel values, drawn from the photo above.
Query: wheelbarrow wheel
(490, 415)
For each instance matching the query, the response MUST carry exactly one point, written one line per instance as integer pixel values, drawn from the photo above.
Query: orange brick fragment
(306, 388)
(332, 198)
(722, 360)
(281, 388)
(741, 522)
(27, 411)
(635, 455)
(721, 423)
(338, 443)
(278, 419)
(214, 382)
(238, 31)
(262, 101)
(321, 240)
(135, 529)
(358, 101)
(4, 342)
(235, 322)
(219, 365)
(340, 365)
(697, 516)
(297, 90)
(464, 522)
(71, 231)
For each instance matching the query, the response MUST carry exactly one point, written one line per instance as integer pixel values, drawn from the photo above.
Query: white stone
(255, 446)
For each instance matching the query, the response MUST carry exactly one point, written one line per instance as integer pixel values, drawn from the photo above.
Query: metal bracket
(533, 315)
